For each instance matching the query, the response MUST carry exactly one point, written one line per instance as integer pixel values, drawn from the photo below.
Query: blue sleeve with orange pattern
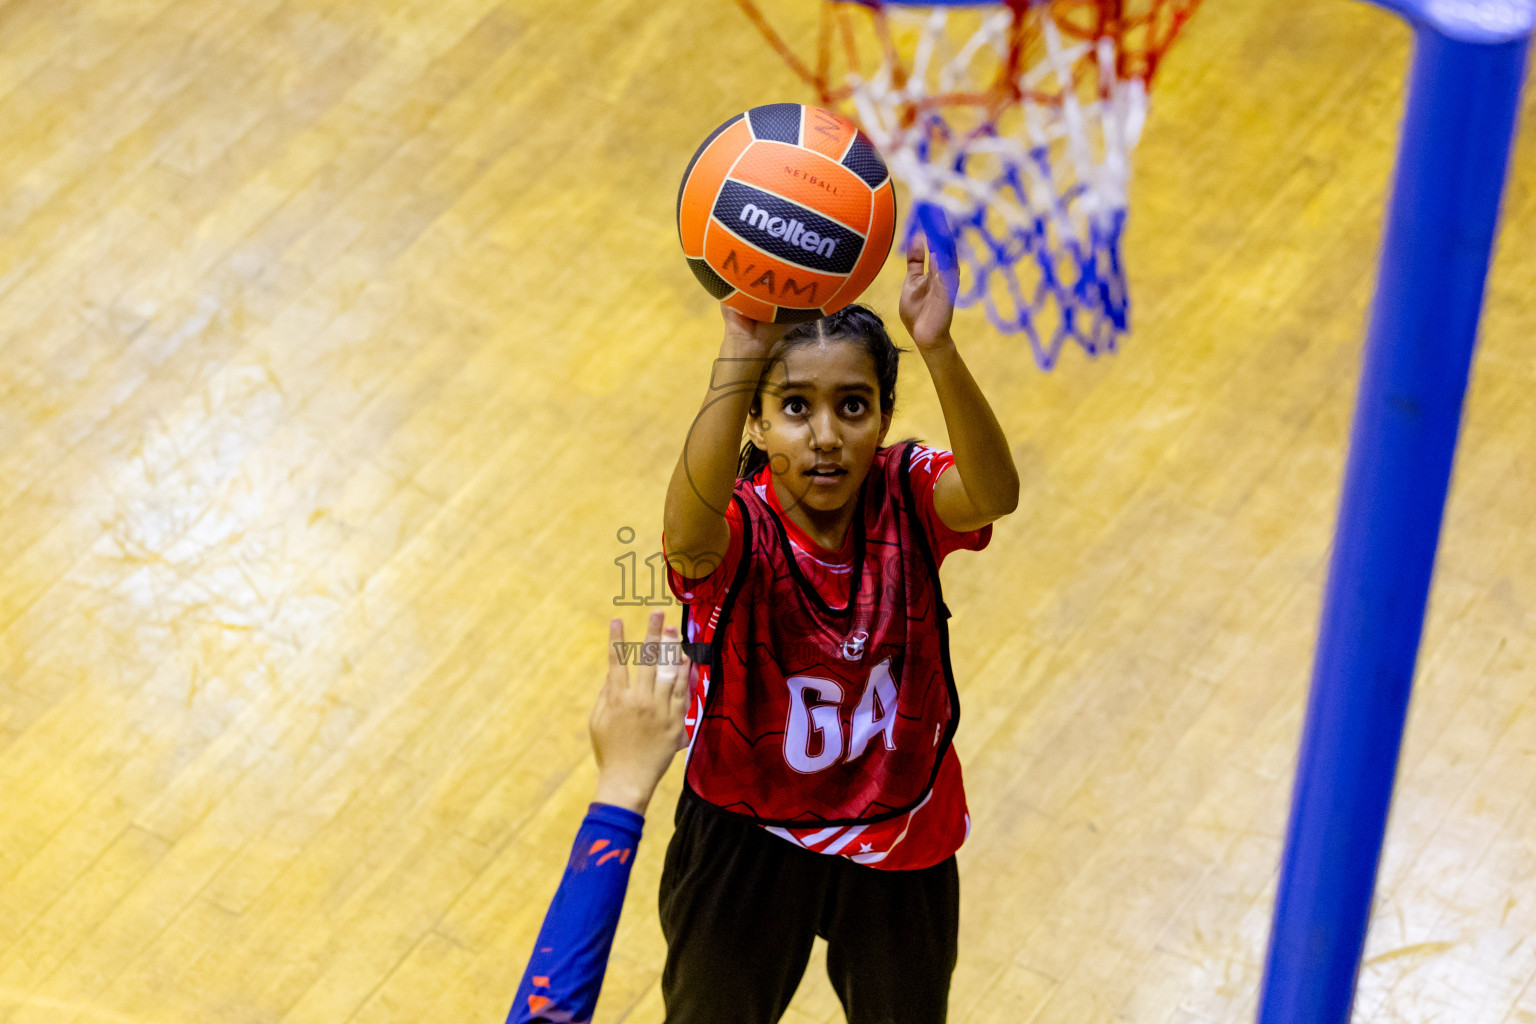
(565, 972)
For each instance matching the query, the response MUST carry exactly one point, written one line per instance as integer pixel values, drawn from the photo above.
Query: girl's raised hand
(751, 337)
(926, 307)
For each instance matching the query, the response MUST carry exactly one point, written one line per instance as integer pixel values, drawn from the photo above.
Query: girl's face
(820, 423)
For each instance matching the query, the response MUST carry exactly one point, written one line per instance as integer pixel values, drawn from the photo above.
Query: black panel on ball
(777, 122)
(713, 283)
(788, 315)
(864, 160)
(784, 229)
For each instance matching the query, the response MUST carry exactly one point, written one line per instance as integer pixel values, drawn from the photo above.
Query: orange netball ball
(786, 212)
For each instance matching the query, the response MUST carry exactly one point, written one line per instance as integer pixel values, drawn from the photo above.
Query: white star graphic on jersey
(863, 847)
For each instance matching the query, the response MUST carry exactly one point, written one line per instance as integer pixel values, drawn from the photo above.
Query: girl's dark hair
(854, 323)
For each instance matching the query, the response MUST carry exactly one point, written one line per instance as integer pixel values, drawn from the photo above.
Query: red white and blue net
(1011, 125)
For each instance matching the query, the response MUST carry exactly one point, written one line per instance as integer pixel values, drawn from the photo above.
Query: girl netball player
(822, 795)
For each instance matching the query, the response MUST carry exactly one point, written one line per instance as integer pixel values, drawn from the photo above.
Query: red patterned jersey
(832, 718)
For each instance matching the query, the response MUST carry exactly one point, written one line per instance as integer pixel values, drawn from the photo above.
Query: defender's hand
(637, 723)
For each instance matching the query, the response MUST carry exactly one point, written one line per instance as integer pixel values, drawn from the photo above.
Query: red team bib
(826, 706)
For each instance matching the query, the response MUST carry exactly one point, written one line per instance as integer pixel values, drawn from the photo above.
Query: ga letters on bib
(823, 704)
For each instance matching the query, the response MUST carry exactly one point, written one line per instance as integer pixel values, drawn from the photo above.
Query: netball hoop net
(1012, 125)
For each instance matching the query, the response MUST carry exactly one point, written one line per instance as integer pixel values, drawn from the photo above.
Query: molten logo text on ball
(792, 231)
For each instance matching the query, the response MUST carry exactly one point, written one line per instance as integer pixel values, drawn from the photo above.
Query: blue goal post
(1463, 100)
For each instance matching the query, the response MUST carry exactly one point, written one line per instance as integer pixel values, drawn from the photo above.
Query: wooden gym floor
(342, 340)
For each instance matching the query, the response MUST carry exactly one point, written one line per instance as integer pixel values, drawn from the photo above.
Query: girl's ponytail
(752, 458)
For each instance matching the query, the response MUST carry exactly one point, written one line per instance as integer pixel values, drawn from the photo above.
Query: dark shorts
(740, 909)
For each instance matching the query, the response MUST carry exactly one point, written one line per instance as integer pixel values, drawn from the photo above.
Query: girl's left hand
(925, 307)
